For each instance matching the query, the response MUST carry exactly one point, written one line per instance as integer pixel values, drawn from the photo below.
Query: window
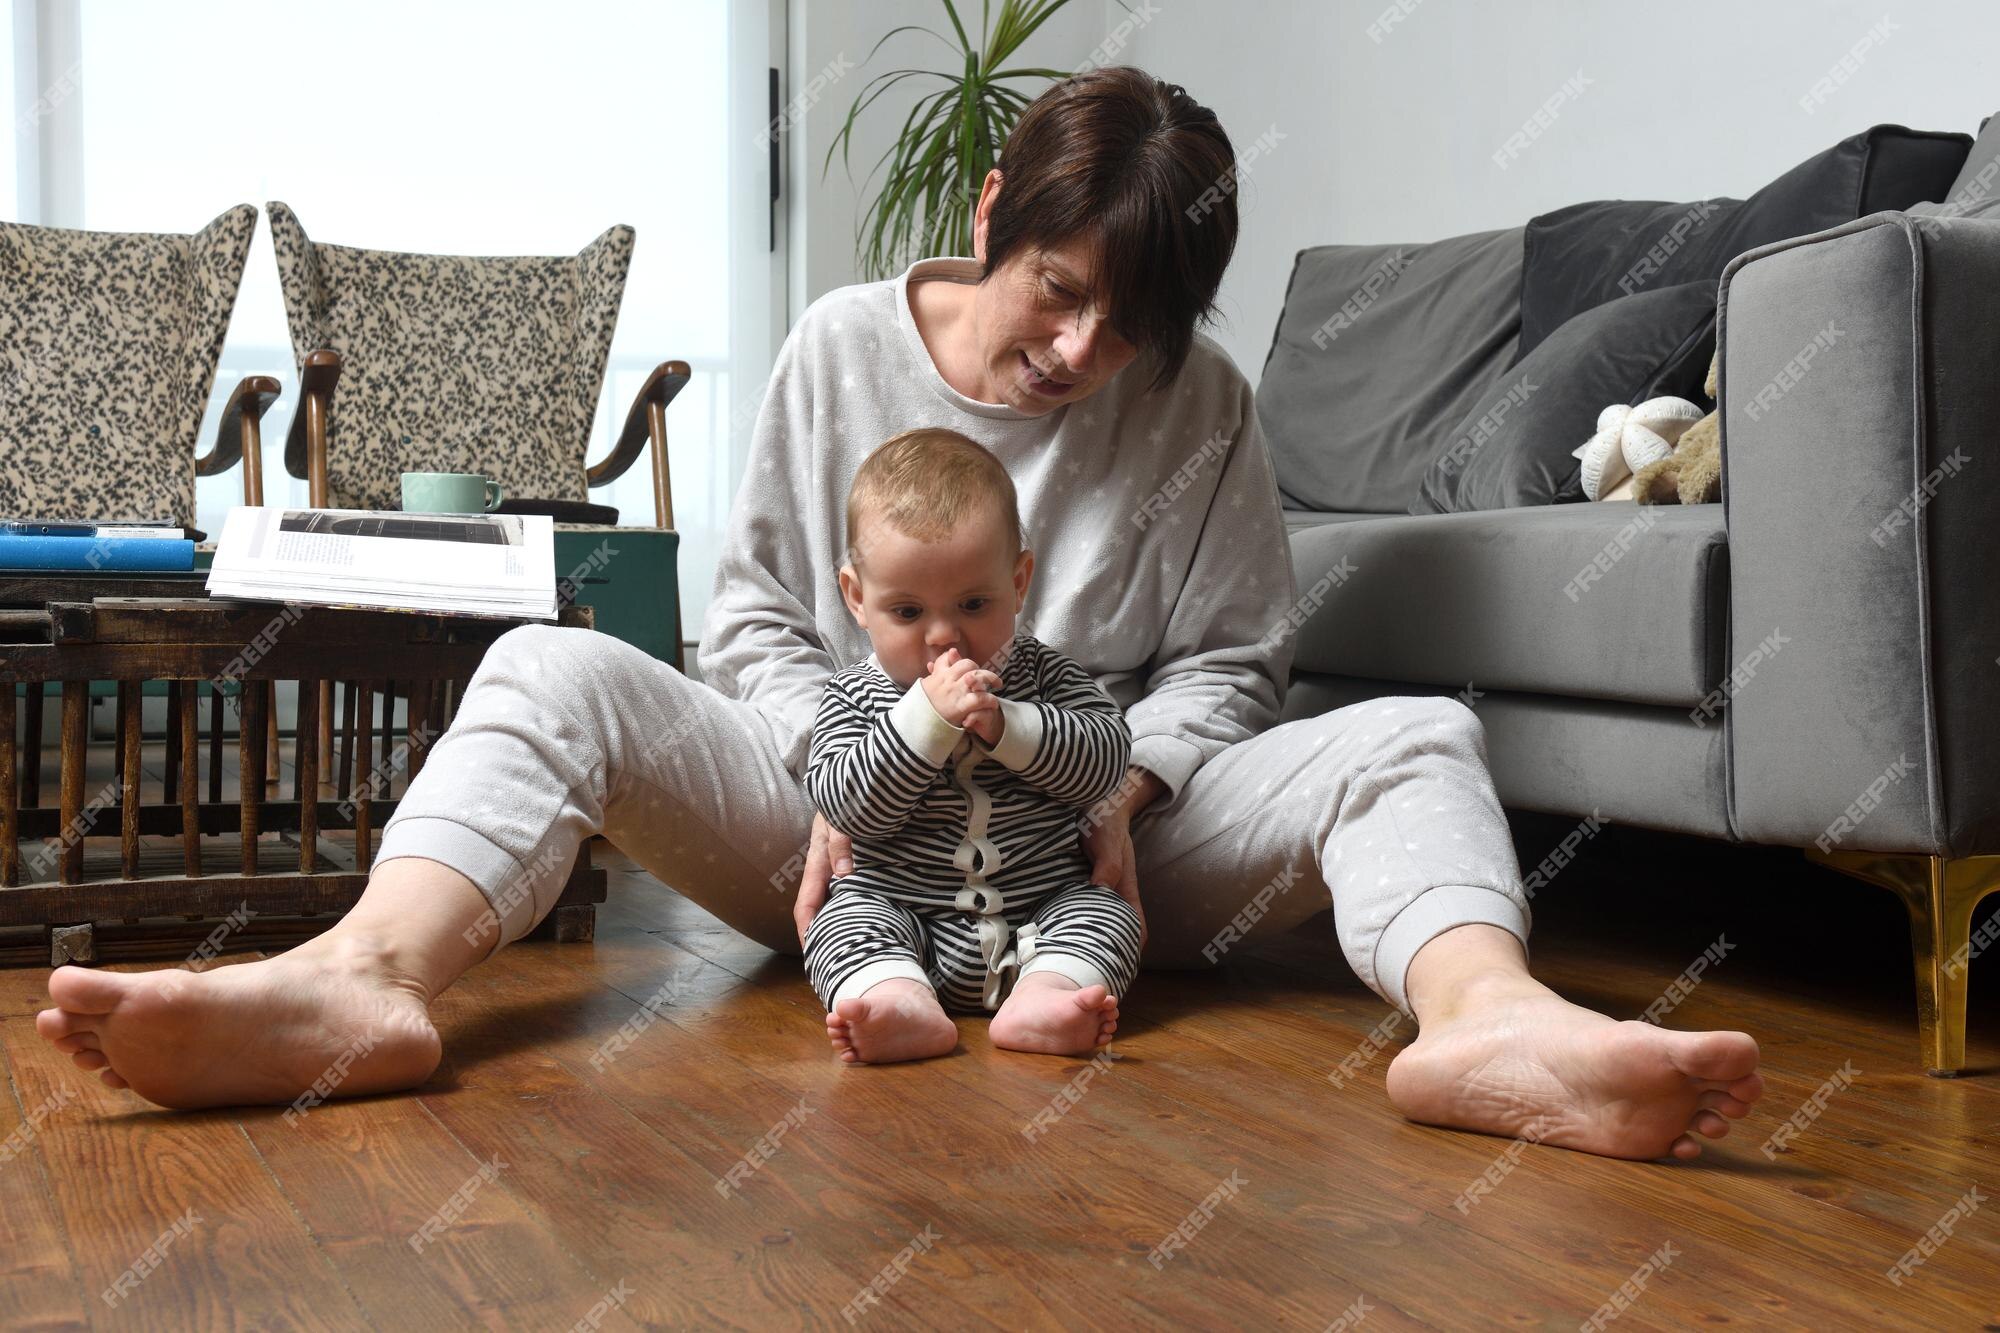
(497, 128)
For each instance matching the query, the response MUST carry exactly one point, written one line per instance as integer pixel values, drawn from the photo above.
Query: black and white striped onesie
(969, 869)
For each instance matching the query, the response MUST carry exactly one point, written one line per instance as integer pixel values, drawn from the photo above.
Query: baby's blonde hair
(924, 483)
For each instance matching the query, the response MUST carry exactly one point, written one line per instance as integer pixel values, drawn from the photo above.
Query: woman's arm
(1219, 674)
(759, 641)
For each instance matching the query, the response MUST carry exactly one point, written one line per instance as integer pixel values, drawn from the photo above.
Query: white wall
(1393, 139)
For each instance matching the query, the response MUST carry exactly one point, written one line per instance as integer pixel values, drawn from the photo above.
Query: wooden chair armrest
(239, 436)
(667, 380)
(305, 443)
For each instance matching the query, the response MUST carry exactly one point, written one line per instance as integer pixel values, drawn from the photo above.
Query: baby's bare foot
(1051, 1017)
(895, 1020)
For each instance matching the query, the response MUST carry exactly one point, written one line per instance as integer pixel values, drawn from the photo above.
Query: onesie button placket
(977, 857)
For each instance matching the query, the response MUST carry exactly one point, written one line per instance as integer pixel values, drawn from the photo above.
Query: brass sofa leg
(1941, 894)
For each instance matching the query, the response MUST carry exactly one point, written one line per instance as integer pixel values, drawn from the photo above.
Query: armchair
(458, 363)
(461, 363)
(108, 347)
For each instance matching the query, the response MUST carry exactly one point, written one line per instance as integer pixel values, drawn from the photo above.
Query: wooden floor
(607, 1191)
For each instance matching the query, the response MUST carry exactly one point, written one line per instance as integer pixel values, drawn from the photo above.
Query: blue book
(95, 553)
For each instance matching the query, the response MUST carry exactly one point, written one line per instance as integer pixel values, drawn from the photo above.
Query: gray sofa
(1814, 662)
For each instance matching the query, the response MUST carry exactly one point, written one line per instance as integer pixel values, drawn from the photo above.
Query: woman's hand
(829, 853)
(1112, 860)
(1107, 837)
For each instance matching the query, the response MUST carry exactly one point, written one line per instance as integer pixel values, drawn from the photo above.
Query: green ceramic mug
(449, 493)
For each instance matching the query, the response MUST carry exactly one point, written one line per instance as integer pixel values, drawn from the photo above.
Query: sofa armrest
(1860, 392)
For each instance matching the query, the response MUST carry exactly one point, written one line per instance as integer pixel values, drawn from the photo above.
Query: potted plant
(948, 141)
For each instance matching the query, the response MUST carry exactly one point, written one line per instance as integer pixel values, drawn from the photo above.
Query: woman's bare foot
(1048, 1015)
(1512, 1057)
(897, 1019)
(331, 1011)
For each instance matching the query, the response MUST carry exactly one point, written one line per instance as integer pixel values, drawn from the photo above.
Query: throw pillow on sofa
(1582, 256)
(1976, 192)
(1514, 446)
(1379, 351)
(1618, 306)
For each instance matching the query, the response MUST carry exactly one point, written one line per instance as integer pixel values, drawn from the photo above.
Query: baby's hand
(963, 694)
(988, 724)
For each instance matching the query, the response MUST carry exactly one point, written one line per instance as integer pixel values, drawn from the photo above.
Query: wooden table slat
(130, 700)
(75, 716)
(10, 794)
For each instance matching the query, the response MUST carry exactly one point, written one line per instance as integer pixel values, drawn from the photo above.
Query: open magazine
(462, 564)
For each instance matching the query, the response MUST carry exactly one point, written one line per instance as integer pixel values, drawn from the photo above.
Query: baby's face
(916, 599)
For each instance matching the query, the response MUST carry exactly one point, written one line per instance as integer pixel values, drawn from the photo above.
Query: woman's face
(1043, 341)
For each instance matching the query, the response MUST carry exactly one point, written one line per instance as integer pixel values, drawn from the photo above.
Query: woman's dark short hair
(1144, 172)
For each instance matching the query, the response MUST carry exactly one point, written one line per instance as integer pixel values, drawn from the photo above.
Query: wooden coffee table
(130, 863)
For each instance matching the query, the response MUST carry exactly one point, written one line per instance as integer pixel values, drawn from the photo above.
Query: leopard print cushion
(454, 363)
(108, 346)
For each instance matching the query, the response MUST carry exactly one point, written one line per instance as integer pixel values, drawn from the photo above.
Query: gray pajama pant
(1384, 807)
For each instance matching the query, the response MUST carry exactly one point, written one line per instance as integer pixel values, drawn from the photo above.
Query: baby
(958, 758)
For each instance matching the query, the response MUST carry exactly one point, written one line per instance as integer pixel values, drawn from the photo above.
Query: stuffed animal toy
(1692, 474)
(1630, 439)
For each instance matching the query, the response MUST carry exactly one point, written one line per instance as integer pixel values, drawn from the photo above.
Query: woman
(1163, 568)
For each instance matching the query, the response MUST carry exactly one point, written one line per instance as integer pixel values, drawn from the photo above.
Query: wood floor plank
(690, 1085)
(622, 1193)
(39, 1286)
(1290, 1050)
(24, 991)
(1137, 1185)
(613, 1156)
(857, 1118)
(1753, 1203)
(1563, 1209)
(418, 1225)
(177, 1206)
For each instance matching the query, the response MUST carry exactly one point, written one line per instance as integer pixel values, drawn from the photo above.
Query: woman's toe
(1709, 1125)
(60, 1024)
(89, 1060)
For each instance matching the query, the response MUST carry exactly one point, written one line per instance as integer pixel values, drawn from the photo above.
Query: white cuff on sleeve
(918, 723)
(1021, 740)
(1168, 758)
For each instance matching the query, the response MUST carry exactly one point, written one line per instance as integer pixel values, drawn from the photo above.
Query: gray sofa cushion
(1515, 446)
(1295, 519)
(1379, 352)
(1573, 756)
(1511, 600)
